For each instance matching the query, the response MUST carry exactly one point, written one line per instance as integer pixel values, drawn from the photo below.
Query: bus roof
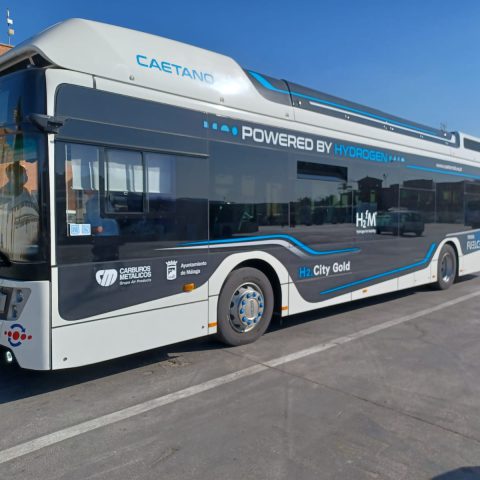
(166, 65)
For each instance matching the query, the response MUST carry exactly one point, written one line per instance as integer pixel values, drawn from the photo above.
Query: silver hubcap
(446, 268)
(246, 307)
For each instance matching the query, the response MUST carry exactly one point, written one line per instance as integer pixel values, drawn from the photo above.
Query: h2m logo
(366, 219)
(106, 278)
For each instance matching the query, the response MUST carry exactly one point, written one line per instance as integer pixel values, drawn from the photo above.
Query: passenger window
(419, 203)
(472, 187)
(472, 211)
(450, 202)
(249, 191)
(161, 178)
(322, 195)
(176, 197)
(131, 197)
(84, 217)
(124, 182)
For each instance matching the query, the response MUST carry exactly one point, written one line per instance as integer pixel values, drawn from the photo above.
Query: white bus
(153, 192)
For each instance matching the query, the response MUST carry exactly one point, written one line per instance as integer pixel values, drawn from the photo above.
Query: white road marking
(105, 420)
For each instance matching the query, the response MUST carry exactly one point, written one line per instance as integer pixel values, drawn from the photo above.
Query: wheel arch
(274, 270)
(455, 247)
(454, 243)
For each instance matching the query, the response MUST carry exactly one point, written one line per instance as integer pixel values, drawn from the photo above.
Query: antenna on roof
(10, 30)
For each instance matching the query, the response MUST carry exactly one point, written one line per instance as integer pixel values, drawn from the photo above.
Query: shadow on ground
(463, 473)
(16, 383)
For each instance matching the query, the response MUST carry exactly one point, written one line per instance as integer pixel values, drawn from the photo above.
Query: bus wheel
(447, 268)
(245, 307)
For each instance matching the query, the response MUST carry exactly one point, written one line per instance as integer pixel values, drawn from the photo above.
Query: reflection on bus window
(19, 207)
(472, 211)
(322, 195)
(133, 197)
(98, 225)
(83, 195)
(251, 199)
(124, 182)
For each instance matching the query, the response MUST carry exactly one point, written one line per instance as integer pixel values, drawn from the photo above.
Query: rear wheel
(447, 268)
(245, 307)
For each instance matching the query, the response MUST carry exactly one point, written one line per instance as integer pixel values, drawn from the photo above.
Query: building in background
(4, 48)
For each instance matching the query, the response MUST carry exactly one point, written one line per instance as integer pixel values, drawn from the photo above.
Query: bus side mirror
(47, 123)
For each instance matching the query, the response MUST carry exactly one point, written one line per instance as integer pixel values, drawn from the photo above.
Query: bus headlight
(20, 296)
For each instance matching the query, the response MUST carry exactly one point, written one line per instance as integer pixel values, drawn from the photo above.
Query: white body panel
(83, 343)
(469, 264)
(33, 351)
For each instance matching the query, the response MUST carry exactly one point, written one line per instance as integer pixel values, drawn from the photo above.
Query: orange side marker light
(188, 287)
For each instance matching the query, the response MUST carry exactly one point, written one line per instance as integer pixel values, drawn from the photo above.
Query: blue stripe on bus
(444, 172)
(272, 237)
(384, 274)
(265, 83)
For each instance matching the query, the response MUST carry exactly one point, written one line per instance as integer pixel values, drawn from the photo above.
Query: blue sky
(416, 59)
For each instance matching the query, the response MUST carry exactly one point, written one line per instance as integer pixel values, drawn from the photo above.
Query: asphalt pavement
(385, 388)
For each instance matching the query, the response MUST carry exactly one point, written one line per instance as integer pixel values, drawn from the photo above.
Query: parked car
(399, 222)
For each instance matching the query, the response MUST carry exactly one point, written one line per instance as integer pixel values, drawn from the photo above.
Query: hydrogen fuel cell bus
(153, 192)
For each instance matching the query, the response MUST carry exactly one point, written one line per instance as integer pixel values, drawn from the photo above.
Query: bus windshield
(19, 198)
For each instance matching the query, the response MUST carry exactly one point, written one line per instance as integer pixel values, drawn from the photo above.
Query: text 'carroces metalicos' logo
(106, 278)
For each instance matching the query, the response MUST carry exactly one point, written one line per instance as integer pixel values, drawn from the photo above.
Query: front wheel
(447, 268)
(245, 307)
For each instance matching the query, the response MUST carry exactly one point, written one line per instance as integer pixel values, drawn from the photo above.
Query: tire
(249, 288)
(447, 268)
